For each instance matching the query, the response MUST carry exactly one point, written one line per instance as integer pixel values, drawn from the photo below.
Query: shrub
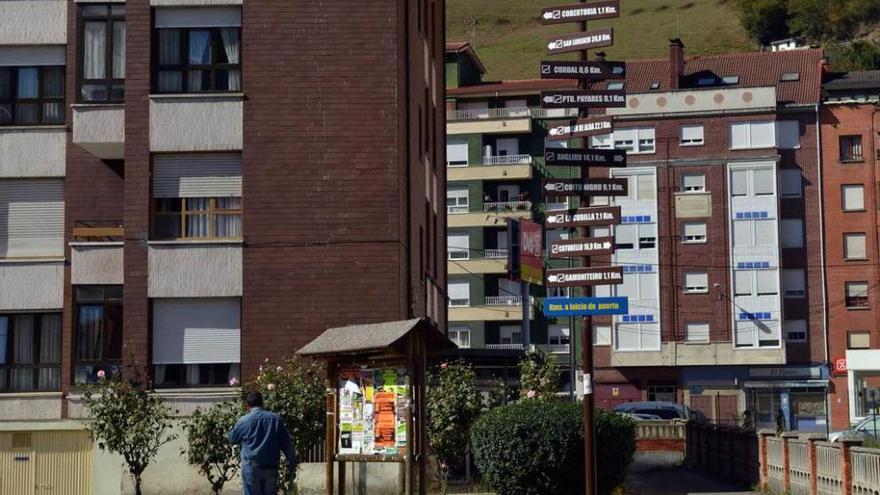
(539, 376)
(536, 447)
(208, 448)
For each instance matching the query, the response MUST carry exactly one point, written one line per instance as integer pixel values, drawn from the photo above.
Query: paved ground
(645, 479)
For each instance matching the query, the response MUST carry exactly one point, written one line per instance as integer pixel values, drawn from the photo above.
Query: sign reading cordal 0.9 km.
(595, 71)
(578, 12)
(585, 158)
(581, 128)
(588, 187)
(583, 99)
(585, 277)
(581, 41)
(591, 246)
(584, 217)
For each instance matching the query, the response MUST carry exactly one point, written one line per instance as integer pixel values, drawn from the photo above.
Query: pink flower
(444, 366)
(532, 394)
(101, 374)
(271, 387)
(261, 368)
(233, 382)
(266, 360)
(279, 369)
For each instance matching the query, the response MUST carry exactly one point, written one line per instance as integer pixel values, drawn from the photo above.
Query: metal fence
(865, 471)
(828, 477)
(799, 467)
(775, 465)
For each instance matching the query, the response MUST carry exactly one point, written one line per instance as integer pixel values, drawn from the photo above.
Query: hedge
(536, 448)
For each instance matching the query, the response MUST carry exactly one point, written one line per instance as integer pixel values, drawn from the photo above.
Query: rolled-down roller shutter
(196, 17)
(31, 218)
(197, 176)
(196, 331)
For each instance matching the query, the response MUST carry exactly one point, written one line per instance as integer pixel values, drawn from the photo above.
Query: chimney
(676, 62)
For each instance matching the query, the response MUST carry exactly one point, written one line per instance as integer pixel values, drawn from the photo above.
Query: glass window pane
(95, 50)
(93, 92)
(228, 203)
(53, 82)
(117, 92)
(197, 204)
(167, 227)
(169, 46)
(89, 331)
(53, 112)
(26, 113)
(227, 226)
(28, 82)
(118, 50)
(199, 47)
(117, 10)
(5, 113)
(170, 81)
(196, 226)
(5, 83)
(94, 10)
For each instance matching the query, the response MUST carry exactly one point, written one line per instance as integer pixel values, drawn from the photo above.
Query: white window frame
(456, 142)
(640, 328)
(751, 189)
(694, 238)
(692, 287)
(696, 135)
(635, 141)
(454, 192)
(645, 285)
(701, 178)
(846, 237)
(751, 133)
(461, 302)
(694, 336)
(752, 225)
(455, 334)
(602, 335)
(558, 335)
(460, 253)
(843, 195)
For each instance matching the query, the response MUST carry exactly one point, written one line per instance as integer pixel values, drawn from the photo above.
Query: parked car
(662, 410)
(641, 416)
(866, 428)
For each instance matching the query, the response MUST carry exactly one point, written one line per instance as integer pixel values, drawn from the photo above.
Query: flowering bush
(539, 376)
(208, 447)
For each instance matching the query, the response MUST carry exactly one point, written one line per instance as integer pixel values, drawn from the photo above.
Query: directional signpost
(596, 216)
(593, 71)
(585, 158)
(586, 187)
(592, 246)
(585, 306)
(580, 41)
(585, 277)
(583, 99)
(581, 128)
(581, 12)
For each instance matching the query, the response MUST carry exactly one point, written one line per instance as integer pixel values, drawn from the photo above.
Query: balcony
(100, 129)
(493, 214)
(504, 347)
(489, 120)
(505, 167)
(492, 261)
(558, 348)
(494, 308)
(96, 253)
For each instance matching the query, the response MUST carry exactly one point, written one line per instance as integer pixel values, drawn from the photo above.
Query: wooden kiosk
(376, 396)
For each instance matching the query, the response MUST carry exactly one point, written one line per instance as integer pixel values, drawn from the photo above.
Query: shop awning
(787, 384)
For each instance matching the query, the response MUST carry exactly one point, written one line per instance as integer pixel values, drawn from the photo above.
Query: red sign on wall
(531, 247)
(840, 366)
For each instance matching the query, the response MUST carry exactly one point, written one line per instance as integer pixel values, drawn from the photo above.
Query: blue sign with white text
(586, 306)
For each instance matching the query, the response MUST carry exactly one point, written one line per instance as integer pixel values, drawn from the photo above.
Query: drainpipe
(822, 232)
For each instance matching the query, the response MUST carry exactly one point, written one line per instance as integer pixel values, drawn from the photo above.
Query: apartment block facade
(188, 188)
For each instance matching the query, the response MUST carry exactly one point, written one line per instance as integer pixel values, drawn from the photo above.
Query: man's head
(253, 399)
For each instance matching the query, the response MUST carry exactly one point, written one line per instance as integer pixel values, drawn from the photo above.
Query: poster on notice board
(372, 411)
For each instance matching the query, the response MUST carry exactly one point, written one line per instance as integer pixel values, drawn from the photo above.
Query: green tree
(858, 55)
(127, 421)
(813, 19)
(208, 448)
(538, 376)
(764, 20)
(453, 405)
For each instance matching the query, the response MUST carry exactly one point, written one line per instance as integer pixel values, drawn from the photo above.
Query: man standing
(263, 437)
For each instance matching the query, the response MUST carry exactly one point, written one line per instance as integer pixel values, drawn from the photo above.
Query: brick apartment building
(726, 311)
(849, 176)
(191, 187)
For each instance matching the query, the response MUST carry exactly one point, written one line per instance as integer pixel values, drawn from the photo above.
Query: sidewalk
(650, 480)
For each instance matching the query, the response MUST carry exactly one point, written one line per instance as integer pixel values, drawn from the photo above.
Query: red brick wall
(660, 444)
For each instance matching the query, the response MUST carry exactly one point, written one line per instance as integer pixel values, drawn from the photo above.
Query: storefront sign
(840, 366)
(585, 277)
(592, 246)
(586, 306)
(593, 71)
(586, 187)
(581, 128)
(531, 248)
(583, 99)
(579, 12)
(786, 373)
(584, 217)
(580, 41)
(585, 158)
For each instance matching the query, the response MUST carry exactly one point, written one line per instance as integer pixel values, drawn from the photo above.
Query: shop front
(788, 398)
(863, 381)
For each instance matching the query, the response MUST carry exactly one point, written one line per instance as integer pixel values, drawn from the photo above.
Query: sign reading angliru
(580, 41)
(578, 12)
(586, 187)
(585, 277)
(591, 246)
(581, 128)
(584, 217)
(594, 71)
(585, 158)
(583, 99)
(585, 306)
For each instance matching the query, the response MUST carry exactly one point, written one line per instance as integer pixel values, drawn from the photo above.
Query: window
(30, 352)
(461, 336)
(635, 236)
(706, 81)
(856, 294)
(752, 233)
(752, 135)
(790, 77)
(510, 335)
(32, 95)
(642, 187)
(795, 330)
(196, 342)
(102, 48)
(757, 333)
(661, 393)
(763, 181)
(558, 338)
(691, 135)
(693, 182)
(854, 247)
(602, 335)
(696, 332)
(507, 146)
(767, 282)
(457, 200)
(456, 151)
(197, 196)
(755, 182)
(693, 232)
(635, 141)
(853, 197)
(98, 331)
(851, 149)
(198, 50)
(459, 293)
(792, 231)
(788, 134)
(31, 218)
(858, 340)
(637, 336)
(793, 283)
(742, 282)
(730, 80)
(458, 246)
(696, 282)
(638, 286)
(790, 183)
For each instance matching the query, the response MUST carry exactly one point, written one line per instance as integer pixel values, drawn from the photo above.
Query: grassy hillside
(511, 41)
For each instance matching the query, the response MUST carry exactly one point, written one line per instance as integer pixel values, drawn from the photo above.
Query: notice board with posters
(372, 411)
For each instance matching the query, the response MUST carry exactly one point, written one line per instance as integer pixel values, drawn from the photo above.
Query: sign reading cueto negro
(585, 158)
(585, 277)
(581, 128)
(583, 99)
(588, 187)
(580, 41)
(582, 247)
(578, 12)
(594, 71)
(584, 217)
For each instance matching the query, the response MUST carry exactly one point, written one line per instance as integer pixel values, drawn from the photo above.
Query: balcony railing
(504, 347)
(507, 206)
(507, 113)
(98, 231)
(557, 348)
(519, 159)
(458, 254)
(489, 254)
(503, 300)
(494, 254)
(452, 210)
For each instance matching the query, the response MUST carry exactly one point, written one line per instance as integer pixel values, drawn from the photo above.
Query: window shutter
(739, 182)
(32, 213)
(793, 282)
(645, 187)
(695, 229)
(460, 290)
(765, 232)
(745, 334)
(739, 135)
(516, 104)
(762, 135)
(196, 331)
(197, 176)
(767, 282)
(792, 232)
(764, 181)
(647, 285)
(693, 182)
(853, 197)
(854, 245)
(696, 281)
(30, 56)
(458, 243)
(602, 335)
(788, 134)
(604, 141)
(624, 234)
(457, 150)
(630, 286)
(742, 233)
(696, 332)
(650, 333)
(742, 281)
(196, 17)
(507, 146)
(790, 182)
(627, 336)
(691, 134)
